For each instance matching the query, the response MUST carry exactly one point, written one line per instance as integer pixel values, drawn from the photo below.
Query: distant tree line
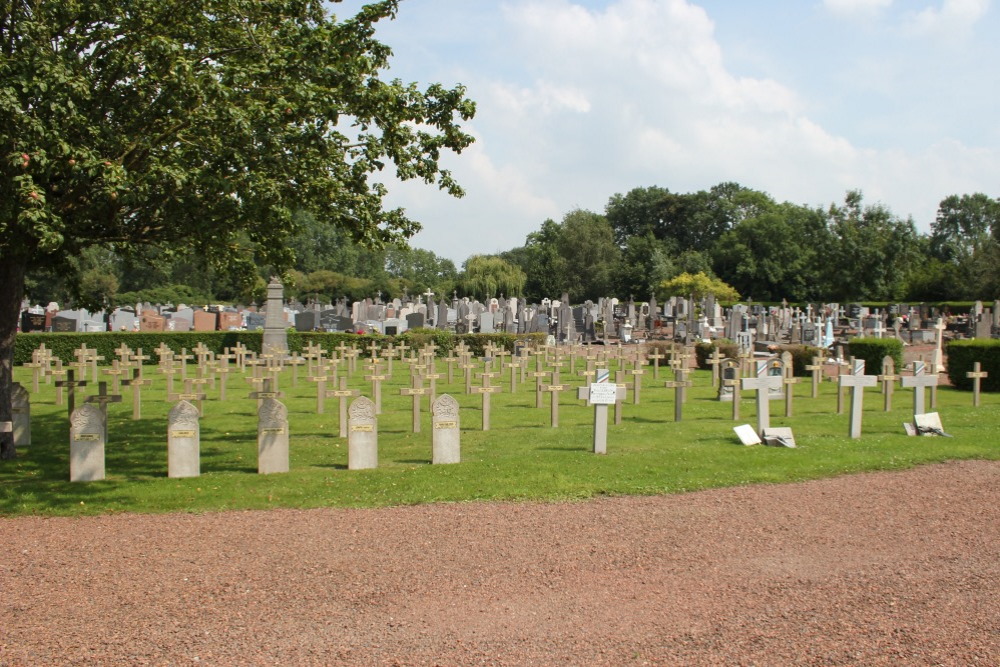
(764, 249)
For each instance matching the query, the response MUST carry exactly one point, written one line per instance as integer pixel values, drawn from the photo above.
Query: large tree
(203, 124)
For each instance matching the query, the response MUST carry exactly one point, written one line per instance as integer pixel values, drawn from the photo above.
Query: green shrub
(873, 350)
(62, 345)
(802, 356)
(962, 354)
(727, 348)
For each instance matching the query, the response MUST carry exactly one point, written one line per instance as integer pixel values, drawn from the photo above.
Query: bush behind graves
(63, 345)
(703, 351)
(802, 356)
(872, 350)
(962, 354)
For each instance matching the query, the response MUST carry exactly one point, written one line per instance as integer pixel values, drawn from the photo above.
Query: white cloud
(952, 20)
(577, 104)
(856, 8)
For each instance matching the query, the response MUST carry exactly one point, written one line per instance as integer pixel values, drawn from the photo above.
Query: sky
(578, 101)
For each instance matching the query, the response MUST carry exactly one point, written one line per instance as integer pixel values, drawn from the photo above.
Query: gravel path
(887, 568)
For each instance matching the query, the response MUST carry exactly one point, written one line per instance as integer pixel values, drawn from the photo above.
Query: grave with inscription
(447, 435)
(362, 434)
(86, 444)
(272, 437)
(183, 441)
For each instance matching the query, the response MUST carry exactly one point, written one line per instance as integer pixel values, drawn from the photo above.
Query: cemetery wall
(962, 354)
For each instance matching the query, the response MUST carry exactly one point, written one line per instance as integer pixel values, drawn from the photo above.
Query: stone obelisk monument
(275, 332)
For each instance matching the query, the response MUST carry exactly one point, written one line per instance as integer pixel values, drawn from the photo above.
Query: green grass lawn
(521, 457)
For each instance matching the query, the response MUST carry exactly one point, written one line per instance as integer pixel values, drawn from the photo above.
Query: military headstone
(446, 439)
(362, 434)
(86, 444)
(183, 441)
(272, 437)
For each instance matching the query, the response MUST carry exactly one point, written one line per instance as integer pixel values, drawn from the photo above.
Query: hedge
(873, 350)
(962, 354)
(62, 345)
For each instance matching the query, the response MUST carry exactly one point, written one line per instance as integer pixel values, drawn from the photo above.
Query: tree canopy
(204, 124)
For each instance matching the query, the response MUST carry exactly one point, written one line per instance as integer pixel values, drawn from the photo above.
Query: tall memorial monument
(275, 331)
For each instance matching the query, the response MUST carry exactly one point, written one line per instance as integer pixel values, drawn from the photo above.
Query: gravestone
(183, 441)
(275, 325)
(32, 322)
(255, 321)
(230, 320)
(272, 437)
(150, 321)
(306, 321)
(20, 405)
(415, 320)
(486, 322)
(86, 444)
(447, 435)
(62, 324)
(204, 320)
(362, 434)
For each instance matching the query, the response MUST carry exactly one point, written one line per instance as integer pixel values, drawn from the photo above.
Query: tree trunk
(11, 290)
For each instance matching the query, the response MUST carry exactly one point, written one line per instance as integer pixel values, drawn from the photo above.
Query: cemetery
(531, 390)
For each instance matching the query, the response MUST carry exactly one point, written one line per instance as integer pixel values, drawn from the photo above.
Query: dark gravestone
(391, 330)
(32, 322)
(415, 320)
(62, 324)
(255, 321)
(340, 323)
(328, 320)
(306, 321)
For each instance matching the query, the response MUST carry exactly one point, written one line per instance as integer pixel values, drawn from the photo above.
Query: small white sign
(603, 393)
(602, 375)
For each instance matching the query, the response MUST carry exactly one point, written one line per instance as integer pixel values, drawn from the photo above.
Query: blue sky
(581, 100)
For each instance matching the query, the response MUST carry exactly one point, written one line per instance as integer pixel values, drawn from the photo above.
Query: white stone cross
(601, 395)
(937, 365)
(857, 381)
(919, 381)
(764, 384)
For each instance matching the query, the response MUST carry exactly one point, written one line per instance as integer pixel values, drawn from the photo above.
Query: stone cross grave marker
(362, 437)
(447, 435)
(136, 383)
(730, 385)
(788, 379)
(86, 444)
(71, 385)
(976, 375)
(189, 394)
(764, 385)
(342, 394)
(554, 389)
(919, 381)
(102, 398)
(415, 391)
(888, 379)
(600, 395)
(20, 405)
(272, 437)
(376, 378)
(816, 370)
(679, 384)
(486, 390)
(857, 381)
(58, 373)
(183, 441)
(715, 361)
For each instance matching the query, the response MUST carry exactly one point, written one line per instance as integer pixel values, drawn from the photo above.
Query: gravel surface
(886, 568)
